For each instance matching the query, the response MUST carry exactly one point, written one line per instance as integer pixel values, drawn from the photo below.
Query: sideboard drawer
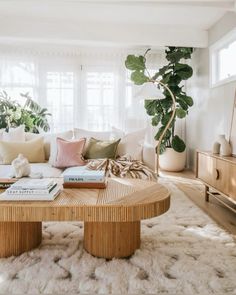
(221, 175)
(206, 168)
(232, 181)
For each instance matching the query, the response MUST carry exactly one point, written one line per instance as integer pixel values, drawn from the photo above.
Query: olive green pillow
(101, 149)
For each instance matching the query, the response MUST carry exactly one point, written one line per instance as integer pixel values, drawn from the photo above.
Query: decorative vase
(172, 161)
(216, 148)
(225, 147)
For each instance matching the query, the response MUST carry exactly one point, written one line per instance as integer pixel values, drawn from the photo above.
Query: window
(18, 77)
(93, 93)
(99, 97)
(223, 60)
(60, 99)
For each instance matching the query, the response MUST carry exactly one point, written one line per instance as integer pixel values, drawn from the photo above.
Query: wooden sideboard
(218, 174)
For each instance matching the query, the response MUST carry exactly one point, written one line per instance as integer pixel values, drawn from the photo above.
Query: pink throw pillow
(69, 153)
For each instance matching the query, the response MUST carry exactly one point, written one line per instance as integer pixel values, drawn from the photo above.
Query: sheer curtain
(81, 88)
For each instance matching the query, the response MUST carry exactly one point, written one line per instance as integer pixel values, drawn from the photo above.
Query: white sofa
(146, 152)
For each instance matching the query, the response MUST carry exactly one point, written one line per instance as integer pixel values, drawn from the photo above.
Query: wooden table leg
(19, 237)
(111, 239)
(206, 193)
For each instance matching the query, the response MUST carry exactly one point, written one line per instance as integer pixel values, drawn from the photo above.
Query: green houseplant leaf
(178, 144)
(135, 63)
(139, 78)
(12, 114)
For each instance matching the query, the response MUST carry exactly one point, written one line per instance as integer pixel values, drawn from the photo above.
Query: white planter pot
(172, 161)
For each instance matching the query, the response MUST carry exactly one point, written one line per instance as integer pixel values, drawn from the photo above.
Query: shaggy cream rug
(182, 252)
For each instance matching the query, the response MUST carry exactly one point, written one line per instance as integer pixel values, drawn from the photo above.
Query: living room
(117, 147)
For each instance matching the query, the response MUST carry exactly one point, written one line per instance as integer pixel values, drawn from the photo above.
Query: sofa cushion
(69, 153)
(52, 141)
(30, 136)
(101, 135)
(33, 150)
(131, 145)
(49, 139)
(45, 168)
(101, 149)
(14, 134)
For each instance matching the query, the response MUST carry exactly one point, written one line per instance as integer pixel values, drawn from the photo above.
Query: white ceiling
(132, 23)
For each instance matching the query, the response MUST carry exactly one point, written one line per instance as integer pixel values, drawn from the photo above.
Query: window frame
(214, 62)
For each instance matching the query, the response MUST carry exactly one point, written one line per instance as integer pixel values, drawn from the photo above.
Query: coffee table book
(7, 182)
(95, 185)
(31, 197)
(83, 174)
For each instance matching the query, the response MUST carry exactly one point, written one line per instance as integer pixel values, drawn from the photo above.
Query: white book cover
(29, 183)
(16, 191)
(83, 172)
(47, 197)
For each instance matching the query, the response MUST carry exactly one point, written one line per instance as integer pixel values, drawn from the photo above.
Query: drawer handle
(217, 174)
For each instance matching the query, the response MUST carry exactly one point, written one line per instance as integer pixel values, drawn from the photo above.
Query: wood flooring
(194, 189)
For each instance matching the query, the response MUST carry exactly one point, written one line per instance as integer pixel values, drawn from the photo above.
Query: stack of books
(7, 182)
(82, 177)
(27, 189)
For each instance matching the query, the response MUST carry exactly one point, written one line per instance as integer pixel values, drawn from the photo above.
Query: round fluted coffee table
(111, 217)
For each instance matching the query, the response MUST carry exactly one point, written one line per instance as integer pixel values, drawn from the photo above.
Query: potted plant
(12, 114)
(173, 74)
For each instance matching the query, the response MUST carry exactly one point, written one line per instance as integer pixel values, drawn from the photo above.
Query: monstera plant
(12, 114)
(173, 75)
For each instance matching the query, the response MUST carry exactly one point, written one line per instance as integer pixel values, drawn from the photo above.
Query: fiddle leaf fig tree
(173, 74)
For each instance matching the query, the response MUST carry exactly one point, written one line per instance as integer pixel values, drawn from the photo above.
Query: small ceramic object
(21, 166)
(216, 148)
(225, 147)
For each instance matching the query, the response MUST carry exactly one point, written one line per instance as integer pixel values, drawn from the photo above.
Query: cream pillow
(49, 140)
(33, 150)
(15, 134)
(30, 136)
(131, 145)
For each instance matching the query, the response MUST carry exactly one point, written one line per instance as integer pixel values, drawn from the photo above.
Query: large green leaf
(139, 78)
(166, 103)
(162, 147)
(150, 106)
(156, 119)
(187, 99)
(158, 134)
(182, 104)
(180, 113)
(183, 70)
(174, 80)
(135, 63)
(174, 56)
(166, 118)
(178, 144)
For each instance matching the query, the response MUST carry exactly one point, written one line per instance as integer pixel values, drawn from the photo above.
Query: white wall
(212, 111)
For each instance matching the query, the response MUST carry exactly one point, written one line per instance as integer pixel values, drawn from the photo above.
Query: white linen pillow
(131, 145)
(100, 135)
(117, 133)
(15, 134)
(51, 141)
(114, 134)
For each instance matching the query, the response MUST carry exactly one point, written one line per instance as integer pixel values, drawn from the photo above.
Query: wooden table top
(122, 200)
